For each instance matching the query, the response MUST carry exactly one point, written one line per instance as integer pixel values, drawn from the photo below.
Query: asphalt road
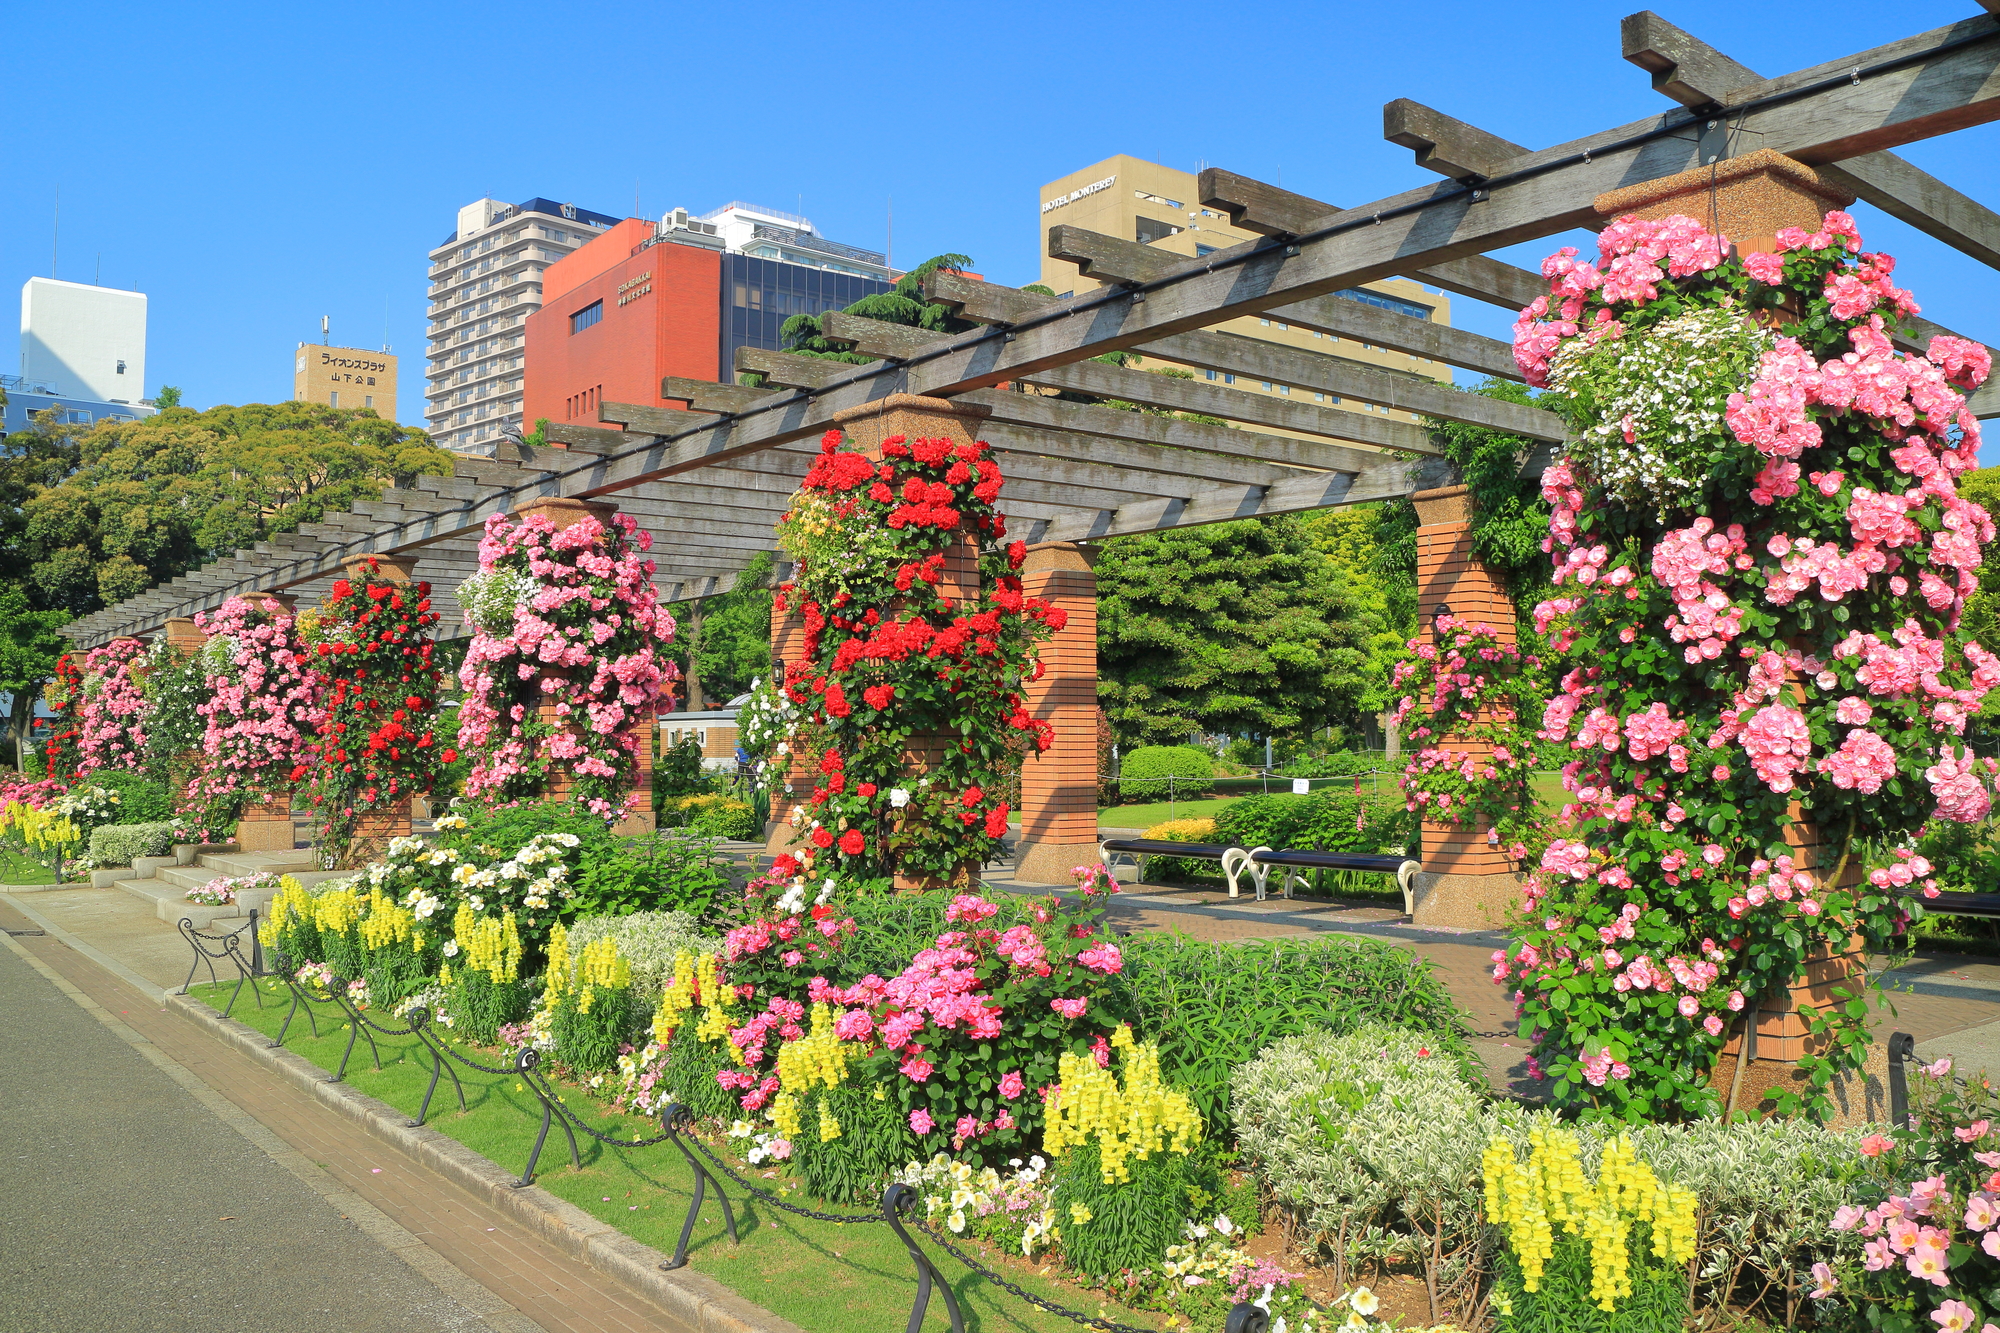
(128, 1206)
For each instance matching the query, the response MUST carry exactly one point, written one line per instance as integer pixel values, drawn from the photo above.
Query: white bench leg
(1404, 873)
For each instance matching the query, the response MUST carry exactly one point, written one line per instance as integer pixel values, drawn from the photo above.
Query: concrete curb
(46, 888)
(689, 1300)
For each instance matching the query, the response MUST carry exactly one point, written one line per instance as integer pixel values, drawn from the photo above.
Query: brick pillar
(1750, 199)
(1465, 881)
(377, 568)
(277, 603)
(787, 636)
(183, 635)
(914, 418)
(1059, 784)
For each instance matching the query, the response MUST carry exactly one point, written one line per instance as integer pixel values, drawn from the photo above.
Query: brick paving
(557, 1292)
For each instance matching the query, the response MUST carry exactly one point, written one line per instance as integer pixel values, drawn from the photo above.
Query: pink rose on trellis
(585, 636)
(111, 714)
(263, 712)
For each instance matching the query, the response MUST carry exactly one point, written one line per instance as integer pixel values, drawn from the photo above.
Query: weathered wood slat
(1314, 491)
(1688, 70)
(654, 420)
(702, 396)
(873, 337)
(794, 370)
(1444, 144)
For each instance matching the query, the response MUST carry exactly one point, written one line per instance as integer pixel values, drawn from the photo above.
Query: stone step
(248, 863)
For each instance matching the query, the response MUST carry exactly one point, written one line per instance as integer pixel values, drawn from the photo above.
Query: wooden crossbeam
(1698, 76)
(1324, 490)
(1447, 146)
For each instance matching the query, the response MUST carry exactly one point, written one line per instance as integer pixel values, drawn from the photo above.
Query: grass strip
(826, 1277)
(16, 868)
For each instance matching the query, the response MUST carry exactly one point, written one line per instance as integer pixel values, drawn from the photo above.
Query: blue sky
(252, 168)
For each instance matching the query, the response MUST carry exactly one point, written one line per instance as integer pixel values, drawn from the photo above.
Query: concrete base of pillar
(1464, 902)
(779, 837)
(1859, 1098)
(265, 835)
(1050, 862)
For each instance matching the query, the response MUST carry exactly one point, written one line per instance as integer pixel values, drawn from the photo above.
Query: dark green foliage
(905, 305)
(678, 771)
(713, 815)
(731, 637)
(589, 1042)
(480, 1006)
(342, 951)
(1658, 1303)
(1144, 774)
(139, 801)
(174, 689)
(1323, 821)
(891, 928)
(1131, 1222)
(692, 1065)
(1211, 1007)
(398, 971)
(660, 873)
(874, 1143)
(1242, 627)
(493, 835)
(1510, 518)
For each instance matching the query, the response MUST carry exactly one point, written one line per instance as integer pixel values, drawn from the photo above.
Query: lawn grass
(826, 1277)
(16, 868)
(1155, 812)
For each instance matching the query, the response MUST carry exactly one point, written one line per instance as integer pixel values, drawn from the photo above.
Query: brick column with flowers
(906, 635)
(1761, 563)
(267, 824)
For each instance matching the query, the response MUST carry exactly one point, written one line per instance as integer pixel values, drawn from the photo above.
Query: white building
(82, 341)
(769, 233)
(486, 279)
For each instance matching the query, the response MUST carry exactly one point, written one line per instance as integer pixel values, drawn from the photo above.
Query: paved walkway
(136, 1135)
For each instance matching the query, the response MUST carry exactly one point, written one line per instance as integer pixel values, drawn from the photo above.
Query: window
(1211, 374)
(1174, 204)
(1229, 379)
(1265, 322)
(586, 317)
(1146, 230)
(333, 399)
(1319, 398)
(1285, 326)
(121, 367)
(1200, 250)
(1285, 389)
(1267, 385)
(1377, 299)
(368, 400)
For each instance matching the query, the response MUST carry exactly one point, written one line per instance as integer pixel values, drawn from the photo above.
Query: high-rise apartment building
(486, 279)
(1142, 201)
(645, 301)
(345, 377)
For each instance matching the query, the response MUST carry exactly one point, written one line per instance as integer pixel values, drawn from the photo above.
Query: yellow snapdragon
(599, 966)
(817, 1059)
(388, 922)
(1137, 1119)
(489, 945)
(1529, 1200)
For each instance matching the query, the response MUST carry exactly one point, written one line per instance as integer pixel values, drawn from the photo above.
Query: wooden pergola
(709, 481)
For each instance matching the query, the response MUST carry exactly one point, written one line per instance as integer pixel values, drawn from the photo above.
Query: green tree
(1372, 550)
(168, 396)
(1236, 628)
(29, 647)
(728, 635)
(1982, 610)
(147, 500)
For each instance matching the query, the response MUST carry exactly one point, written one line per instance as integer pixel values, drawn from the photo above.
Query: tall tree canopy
(1243, 627)
(729, 635)
(144, 501)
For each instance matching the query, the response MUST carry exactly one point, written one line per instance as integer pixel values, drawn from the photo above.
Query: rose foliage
(1761, 630)
(111, 708)
(890, 663)
(1471, 765)
(260, 718)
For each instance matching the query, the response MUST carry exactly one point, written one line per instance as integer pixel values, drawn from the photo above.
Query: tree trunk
(692, 626)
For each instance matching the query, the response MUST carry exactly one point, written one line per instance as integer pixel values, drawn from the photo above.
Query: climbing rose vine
(1759, 612)
(372, 643)
(261, 715)
(64, 696)
(889, 664)
(566, 661)
(1472, 764)
(111, 707)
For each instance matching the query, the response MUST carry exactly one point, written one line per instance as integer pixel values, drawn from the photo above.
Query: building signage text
(635, 288)
(1077, 194)
(351, 363)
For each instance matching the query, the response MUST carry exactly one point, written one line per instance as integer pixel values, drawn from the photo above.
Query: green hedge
(117, 844)
(1144, 773)
(1329, 820)
(139, 801)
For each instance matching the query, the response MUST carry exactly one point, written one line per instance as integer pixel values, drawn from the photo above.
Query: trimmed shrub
(139, 800)
(1145, 773)
(1183, 830)
(713, 815)
(648, 941)
(1330, 820)
(117, 844)
(1211, 1007)
(665, 872)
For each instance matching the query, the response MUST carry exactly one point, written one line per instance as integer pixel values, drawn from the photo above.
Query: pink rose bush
(261, 718)
(1927, 1221)
(1472, 764)
(965, 1039)
(111, 708)
(1770, 639)
(566, 661)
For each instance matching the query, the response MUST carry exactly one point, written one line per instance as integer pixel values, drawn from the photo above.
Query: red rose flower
(822, 837)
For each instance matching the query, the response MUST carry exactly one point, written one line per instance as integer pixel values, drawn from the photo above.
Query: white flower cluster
(1657, 397)
(490, 599)
(954, 1191)
(430, 880)
(430, 998)
(88, 806)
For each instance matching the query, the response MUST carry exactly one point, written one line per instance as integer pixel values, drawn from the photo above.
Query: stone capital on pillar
(565, 512)
(1749, 199)
(910, 415)
(183, 635)
(380, 568)
(277, 603)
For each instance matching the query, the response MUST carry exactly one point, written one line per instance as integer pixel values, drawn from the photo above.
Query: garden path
(329, 1228)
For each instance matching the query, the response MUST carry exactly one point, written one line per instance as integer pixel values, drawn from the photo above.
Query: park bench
(1259, 862)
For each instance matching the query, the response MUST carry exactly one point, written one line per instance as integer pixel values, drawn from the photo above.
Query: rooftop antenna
(889, 255)
(324, 338)
(98, 281)
(55, 241)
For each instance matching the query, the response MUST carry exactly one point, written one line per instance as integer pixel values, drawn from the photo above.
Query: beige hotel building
(1158, 206)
